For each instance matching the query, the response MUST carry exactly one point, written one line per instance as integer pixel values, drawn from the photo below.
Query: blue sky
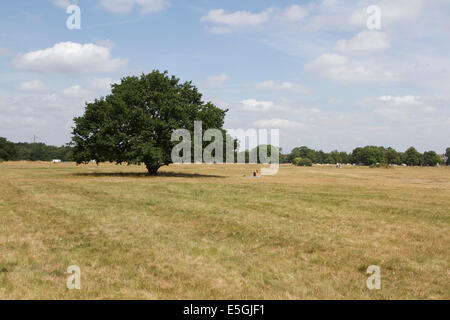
(312, 69)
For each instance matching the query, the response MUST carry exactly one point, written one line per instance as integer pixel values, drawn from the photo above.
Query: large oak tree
(134, 124)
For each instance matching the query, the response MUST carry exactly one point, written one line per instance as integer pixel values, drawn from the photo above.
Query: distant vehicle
(56, 161)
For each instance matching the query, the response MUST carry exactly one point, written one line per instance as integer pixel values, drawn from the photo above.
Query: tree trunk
(152, 169)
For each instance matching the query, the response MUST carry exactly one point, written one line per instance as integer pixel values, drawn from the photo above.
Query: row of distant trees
(369, 155)
(10, 151)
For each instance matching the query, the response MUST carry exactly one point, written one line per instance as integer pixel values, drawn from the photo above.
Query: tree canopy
(430, 158)
(8, 150)
(134, 124)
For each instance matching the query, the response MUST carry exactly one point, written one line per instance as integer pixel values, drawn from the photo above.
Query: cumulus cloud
(282, 108)
(227, 22)
(401, 100)
(277, 123)
(125, 6)
(363, 43)
(281, 86)
(100, 84)
(35, 85)
(91, 89)
(344, 64)
(254, 105)
(340, 69)
(107, 43)
(48, 114)
(292, 13)
(218, 80)
(404, 108)
(398, 107)
(69, 57)
(75, 92)
(326, 60)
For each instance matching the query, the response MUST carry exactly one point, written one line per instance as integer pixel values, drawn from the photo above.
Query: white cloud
(344, 67)
(326, 60)
(364, 42)
(90, 90)
(223, 104)
(293, 13)
(48, 115)
(35, 85)
(401, 100)
(340, 69)
(69, 57)
(254, 105)
(125, 6)
(281, 86)
(75, 92)
(107, 43)
(238, 18)
(404, 108)
(331, 15)
(227, 22)
(360, 74)
(100, 84)
(283, 106)
(218, 80)
(277, 123)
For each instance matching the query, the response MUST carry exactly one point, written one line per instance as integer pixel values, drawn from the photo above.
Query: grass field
(209, 232)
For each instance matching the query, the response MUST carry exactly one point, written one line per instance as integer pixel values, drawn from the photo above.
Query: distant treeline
(369, 155)
(10, 151)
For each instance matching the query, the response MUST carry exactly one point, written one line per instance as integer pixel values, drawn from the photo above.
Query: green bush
(297, 160)
(305, 162)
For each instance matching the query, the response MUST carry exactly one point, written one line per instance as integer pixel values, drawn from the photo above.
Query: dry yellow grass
(208, 232)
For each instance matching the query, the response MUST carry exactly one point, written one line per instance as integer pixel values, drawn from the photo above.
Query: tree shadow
(146, 175)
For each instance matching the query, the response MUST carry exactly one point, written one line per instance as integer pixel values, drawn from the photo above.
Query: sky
(315, 70)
